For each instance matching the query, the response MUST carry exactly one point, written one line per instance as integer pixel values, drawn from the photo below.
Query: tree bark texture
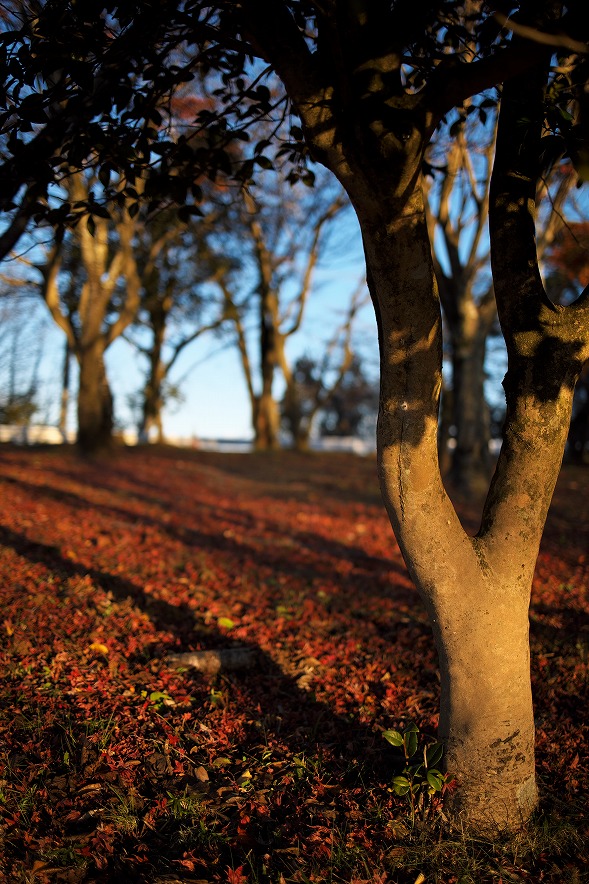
(477, 599)
(359, 121)
(476, 590)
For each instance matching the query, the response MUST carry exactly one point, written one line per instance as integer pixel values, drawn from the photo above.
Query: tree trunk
(95, 403)
(159, 311)
(476, 590)
(486, 717)
(470, 460)
(65, 390)
(152, 400)
(372, 133)
(301, 438)
(266, 423)
(267, 411)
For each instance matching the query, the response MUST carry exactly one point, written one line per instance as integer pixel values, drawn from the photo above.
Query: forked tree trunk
(476, 590)
(95, 403)
(360, 121)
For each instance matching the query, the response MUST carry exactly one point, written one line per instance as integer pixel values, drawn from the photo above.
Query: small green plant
(123, 812)
(159, 699)
(420, 781)
(184, 806)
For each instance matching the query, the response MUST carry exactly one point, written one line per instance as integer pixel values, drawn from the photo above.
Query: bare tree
(313, 384)
(283, 233)
(178, 303)
(92, 289)
(457, 207)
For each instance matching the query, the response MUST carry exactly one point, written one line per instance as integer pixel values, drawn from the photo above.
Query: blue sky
(216, 403)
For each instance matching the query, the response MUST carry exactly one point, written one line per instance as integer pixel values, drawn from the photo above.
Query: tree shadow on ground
(270, 708)
(264, 539)
(178, 619)
(348, 478)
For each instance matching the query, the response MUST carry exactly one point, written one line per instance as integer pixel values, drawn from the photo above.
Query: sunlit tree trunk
(476, 590)
(361, 122)
(94, 328)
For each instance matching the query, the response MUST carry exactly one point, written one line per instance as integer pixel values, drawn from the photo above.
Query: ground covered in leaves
(116, 765)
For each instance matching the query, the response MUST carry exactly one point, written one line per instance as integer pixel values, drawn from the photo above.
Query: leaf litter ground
(117, 765)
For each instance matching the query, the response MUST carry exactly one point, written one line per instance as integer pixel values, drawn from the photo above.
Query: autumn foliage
(118, 766)
(570, 253)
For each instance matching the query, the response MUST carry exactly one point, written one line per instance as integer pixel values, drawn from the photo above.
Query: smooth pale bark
(476, 590)
(477, 602)
(213, 662)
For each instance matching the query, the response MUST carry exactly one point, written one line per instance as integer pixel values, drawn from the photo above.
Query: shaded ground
(116, 766)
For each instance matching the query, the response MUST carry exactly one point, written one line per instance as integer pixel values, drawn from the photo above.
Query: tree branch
(50, 292)
(454, 82)
(313, 256)
(518, 286)
(232, 313)
(181, 346)
(275, 37)
(18, 224)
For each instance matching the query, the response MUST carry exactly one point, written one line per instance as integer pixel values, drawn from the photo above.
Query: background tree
(92, 289)
(176, 308)
(351, 409)
(567, 273)
(315, 387)
(276, 236)
(22, 336)
(457, 206)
